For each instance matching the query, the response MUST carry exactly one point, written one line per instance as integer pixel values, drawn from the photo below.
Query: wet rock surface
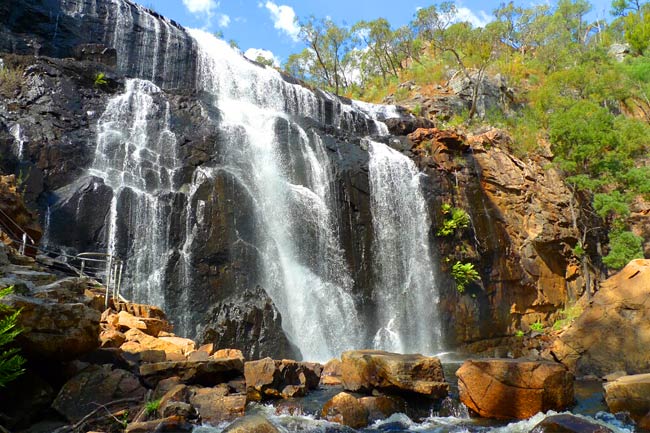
(368, 370)
(504, 388)
(568, 424)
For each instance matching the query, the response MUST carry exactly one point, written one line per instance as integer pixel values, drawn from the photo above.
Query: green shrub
(623, 247)
(151, 407)
(537, 326)
(569, 314)
(10, 81)
(519, 333)
(11, 363)
(100, 79)
(455, 219)
(464, 274)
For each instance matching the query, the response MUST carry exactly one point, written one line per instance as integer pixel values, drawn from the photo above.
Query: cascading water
(287, 173)
(136, 157)
(281, 167)
(406, 295)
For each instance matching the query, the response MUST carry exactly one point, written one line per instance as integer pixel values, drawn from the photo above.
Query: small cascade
(406, 295)
(19, 141)
(136, 157)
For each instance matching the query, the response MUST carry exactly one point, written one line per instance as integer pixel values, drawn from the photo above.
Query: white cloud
(284, 19)
(254, 53)
(201, 6)
(477, 20)
(224, 20)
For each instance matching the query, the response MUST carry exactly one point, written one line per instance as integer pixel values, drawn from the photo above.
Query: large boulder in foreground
(268, 378)
(508, 388)
(207, 373)
(368, 370)
(345, 409)
(629, 394)
(565, 423)
(613, 332)
(96, 385)
(55, 331)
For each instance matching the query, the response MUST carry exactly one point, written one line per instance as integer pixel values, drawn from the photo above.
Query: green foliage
(455, 219)
(11, 363)
(100, 79)
(537, 327)
(569, 314)
(10, 80)
(623, 247)
(151, 407)
(593, 111)
(579, 250)
(464, 274)
(519, 333)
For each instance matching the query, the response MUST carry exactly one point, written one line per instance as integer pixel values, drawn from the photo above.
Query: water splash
(406, 295)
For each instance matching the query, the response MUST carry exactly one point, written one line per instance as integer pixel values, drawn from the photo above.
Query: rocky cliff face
(163, 173)
(524, 225)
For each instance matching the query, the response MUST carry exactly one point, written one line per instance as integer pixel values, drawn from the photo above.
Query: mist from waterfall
(405, 295)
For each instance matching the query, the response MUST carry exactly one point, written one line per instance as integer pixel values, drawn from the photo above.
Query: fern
(11, 363)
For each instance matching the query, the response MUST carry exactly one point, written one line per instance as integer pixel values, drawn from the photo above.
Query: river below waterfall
(303, 414)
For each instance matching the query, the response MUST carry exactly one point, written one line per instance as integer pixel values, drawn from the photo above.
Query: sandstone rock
(152, 343)
(198, 355)
(406, 125)
(54, 331)
(267, 378)
(381, 407)
(229, 353)
(251, 424)
(151, 326)
(344, 409)
(565, 423)
(214, 407)
(206, 373)
(111, 338)
(95, 385)
(185, 344)
(169, 424)
(505, 388)
(136, 353)
(629, 394)
(165, 385)
(367, 370)
(179, 408)
(613, 332)
(207, 348)
(177, 394)
(331, 375)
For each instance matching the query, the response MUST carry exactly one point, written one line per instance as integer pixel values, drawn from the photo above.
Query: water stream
(406, 295)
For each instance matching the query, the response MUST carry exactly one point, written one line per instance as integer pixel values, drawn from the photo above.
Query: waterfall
(19, 141)
(286, 171)
(267, 145)
(136, 156)
(406, 295)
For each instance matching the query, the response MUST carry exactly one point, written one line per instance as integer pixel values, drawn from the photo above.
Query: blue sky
(268, 24)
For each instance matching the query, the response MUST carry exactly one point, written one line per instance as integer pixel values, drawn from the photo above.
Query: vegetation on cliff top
(572, 91)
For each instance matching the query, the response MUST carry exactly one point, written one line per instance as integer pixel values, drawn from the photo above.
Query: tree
(11, 364)
(326, 55)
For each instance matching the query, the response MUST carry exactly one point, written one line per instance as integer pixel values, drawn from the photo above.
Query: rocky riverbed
(122, 368)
